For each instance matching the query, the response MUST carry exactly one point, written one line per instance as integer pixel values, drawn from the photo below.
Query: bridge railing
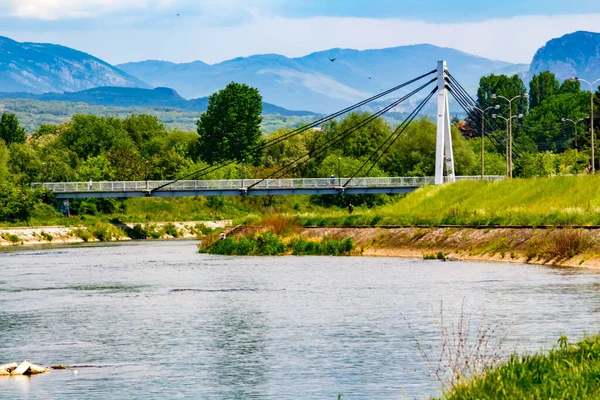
(233, 184)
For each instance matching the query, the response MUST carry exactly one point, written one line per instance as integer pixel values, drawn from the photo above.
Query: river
(157, 320)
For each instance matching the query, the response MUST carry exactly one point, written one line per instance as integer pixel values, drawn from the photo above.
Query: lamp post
(43, 169)
(146, 172)
(591, 116)
(243, 162)
(575, 125)
(483, 134)
(508, 150)
(339, 173)
(510, 117)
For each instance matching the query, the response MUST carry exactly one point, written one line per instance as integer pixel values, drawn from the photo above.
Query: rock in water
(27, 368)
(4, 372)
(9, 367)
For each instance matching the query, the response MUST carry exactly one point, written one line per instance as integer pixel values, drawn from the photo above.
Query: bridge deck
(239, 187)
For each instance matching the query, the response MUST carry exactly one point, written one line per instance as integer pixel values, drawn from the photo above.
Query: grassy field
(570, 371)
(567, 200)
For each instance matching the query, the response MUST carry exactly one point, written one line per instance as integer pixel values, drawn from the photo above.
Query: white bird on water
(75, 372)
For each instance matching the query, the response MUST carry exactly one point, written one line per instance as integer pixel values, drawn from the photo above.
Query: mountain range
(575, 54)
(320, 82)
(39, 68)
(137, 97)
(315, 82)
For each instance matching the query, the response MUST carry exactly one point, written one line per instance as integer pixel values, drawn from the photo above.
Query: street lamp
(510, 116)
(591, 116)
(496, 107)
(575, 125)
(243, 162)
(508, 150)
(339, 173)
(43, 169)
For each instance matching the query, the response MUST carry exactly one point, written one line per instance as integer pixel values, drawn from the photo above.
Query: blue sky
(437, 10)
(216, 30)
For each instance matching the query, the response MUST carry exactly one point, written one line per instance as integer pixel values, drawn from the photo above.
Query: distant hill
(313, 82)
(575, 54)
(136, 97)
(38, 68)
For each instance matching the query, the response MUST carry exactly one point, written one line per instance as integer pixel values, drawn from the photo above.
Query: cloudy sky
(215, 30)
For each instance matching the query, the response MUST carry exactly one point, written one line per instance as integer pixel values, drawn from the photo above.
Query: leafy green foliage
(10, 130)
(231, 125)
(542, 87)
(569, 371)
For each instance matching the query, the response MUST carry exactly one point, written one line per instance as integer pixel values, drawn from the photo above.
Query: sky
(120, 31)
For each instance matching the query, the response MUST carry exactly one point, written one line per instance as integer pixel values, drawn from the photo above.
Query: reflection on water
(157, 320)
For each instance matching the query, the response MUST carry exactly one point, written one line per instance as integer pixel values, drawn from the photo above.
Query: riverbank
(102, 232)
(548, 246)
(553, 246)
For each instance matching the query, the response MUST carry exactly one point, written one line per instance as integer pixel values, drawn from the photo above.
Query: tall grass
(569, 371)
(567, 200)
(467, 348)
(269, 244)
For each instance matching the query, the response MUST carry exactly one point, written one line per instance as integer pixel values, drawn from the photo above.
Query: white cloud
(65, 9)
(197, 37)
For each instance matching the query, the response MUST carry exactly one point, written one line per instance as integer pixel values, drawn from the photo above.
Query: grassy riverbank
(559, 201)
(570, 371)
(567, 200)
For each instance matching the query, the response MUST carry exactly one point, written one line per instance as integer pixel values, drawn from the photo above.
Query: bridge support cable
(261, 146)
(517, 151)
(339, 137)
(465, 101)
(498, 143)
(400, 129)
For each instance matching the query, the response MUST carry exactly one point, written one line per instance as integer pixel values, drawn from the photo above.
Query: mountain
(314, 82)
(575, 54)
(137, 97)
(38, 68)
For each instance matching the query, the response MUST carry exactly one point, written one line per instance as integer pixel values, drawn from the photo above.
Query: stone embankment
(24, 236)
(556, 246)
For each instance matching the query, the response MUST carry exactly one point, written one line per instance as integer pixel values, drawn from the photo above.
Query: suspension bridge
(437, 81)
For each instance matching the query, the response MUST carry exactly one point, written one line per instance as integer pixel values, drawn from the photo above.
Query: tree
(231, 125)
(414, 152)
(542, 86)
(10, 130)
(362, 142)
(505, 86)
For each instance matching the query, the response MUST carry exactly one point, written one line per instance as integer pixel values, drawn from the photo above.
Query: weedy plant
(470, 347)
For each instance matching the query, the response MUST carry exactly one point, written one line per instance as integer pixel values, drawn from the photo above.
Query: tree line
(141, 147)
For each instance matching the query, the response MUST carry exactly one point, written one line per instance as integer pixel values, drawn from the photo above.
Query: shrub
(280, 224)
(83, 234)
(138, 232)
(172, 230)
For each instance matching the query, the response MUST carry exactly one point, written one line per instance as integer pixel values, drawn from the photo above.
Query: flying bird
(332, 59)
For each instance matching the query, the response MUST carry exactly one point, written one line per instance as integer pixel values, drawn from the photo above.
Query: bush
(138, 232)
(172, 230)
(327, 247)
(83, 234)
(105, 232)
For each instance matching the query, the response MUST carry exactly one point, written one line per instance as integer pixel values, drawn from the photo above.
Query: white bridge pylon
(444, 155)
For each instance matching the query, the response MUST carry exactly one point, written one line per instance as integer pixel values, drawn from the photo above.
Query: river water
(157, 320)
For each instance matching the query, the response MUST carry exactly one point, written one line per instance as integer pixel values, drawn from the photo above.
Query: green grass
(270, 244)
(570, 371)
(567, 200)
